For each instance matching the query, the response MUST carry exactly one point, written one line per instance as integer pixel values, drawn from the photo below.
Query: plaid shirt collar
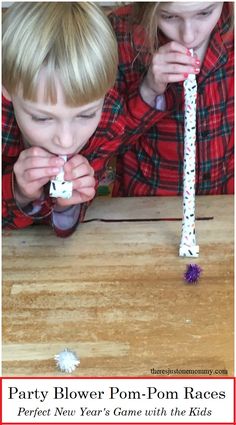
(216, 54)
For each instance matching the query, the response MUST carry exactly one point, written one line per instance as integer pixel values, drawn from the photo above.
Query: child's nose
(65, 137)
(187, 33)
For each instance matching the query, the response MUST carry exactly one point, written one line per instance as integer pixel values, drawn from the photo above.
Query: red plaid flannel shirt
(154, 164)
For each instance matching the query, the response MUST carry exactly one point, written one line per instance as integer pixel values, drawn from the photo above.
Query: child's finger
(87, 181)
(75, 161)
(43, 162)
(180, 69)
(180, 58)
(77, 166)
(85, 194)
(175, 78)
(174, 46)
(80, 171)
(32, 190)
(36, 151)
(33, 174)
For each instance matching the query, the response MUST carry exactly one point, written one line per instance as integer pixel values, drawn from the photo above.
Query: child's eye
(39, 119)
(89, 116)
(204, 13)
(168, 17)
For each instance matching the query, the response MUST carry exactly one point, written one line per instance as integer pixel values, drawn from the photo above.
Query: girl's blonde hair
(145, 14)
(71, 41)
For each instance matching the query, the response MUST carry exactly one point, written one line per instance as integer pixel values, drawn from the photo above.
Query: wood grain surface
(114, 293)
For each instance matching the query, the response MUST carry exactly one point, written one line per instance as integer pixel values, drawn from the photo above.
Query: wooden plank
(115, 294)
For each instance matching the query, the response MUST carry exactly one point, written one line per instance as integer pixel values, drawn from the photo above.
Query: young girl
(59, 60)
(154, 39)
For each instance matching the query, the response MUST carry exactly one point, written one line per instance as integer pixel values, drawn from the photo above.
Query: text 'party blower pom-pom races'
(118, 400)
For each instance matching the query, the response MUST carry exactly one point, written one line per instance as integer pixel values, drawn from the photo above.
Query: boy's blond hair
(71, 41)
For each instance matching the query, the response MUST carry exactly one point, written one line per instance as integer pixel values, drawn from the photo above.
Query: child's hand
(171, 63)
(78, 170)
(33, 169)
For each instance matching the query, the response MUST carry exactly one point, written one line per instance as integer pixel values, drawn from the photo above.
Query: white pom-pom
(66, 361)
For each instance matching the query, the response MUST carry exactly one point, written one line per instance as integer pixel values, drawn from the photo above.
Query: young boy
(56, 96)
(59, 61)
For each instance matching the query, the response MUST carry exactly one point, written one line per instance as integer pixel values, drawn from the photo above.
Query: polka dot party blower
(188, 247)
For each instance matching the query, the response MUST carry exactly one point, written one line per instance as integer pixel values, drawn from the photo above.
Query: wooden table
(114, 293)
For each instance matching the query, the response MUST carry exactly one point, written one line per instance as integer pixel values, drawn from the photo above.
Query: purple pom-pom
(193, 273)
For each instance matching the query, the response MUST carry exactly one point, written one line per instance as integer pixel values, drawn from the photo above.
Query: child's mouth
(68, 155)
